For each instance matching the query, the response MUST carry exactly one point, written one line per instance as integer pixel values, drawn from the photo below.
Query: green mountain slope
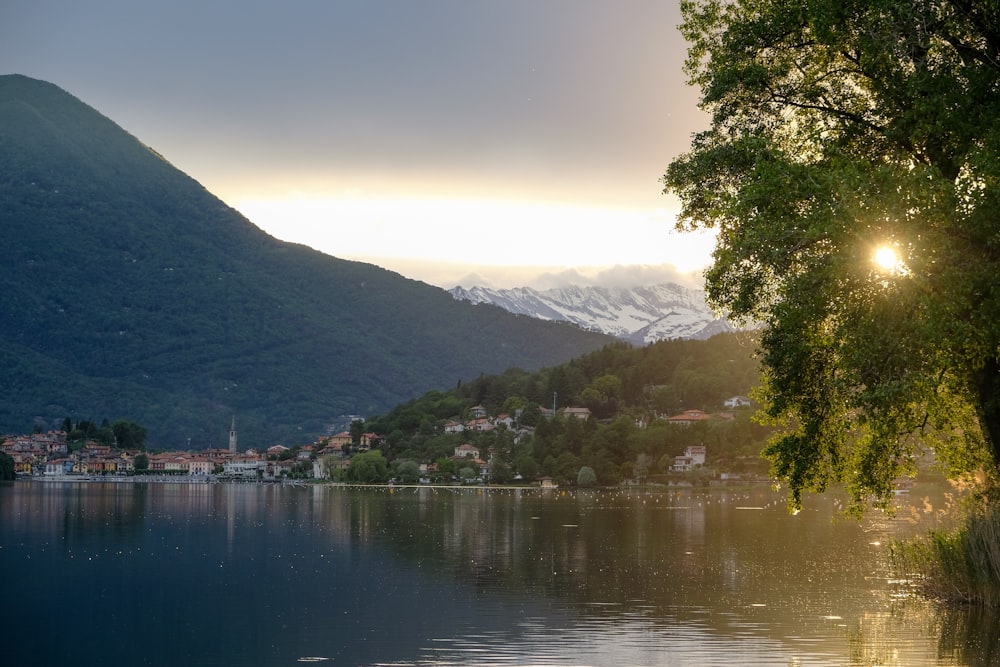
(131, 291)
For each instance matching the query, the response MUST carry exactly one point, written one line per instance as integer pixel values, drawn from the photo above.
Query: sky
(500, 142)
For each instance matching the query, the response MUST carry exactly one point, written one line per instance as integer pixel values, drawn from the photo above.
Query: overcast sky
(432, 137)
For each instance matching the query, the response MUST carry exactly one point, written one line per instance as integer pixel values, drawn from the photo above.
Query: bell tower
(232, 437)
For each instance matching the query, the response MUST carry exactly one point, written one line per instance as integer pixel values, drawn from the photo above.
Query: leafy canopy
(840, 128)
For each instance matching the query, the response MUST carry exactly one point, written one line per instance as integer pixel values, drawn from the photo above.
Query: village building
(689, 417)
(579, 413)
(244, 467)
(201, 465)
(452, 426)
(56, 467)
(325, 466)
(466, 452)
(505, 420)
(547, 483)
(480, 424)
(340, 440)
(693, 457)
(331, 450)
(278, 469)
(738, 402)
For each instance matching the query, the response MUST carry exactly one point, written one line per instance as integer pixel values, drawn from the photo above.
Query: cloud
(644, 274)
(448, 275)
(636, 275)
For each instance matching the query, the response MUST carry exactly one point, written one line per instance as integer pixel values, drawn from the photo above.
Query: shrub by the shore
(958, 565)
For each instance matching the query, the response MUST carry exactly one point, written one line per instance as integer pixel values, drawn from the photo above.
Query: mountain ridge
(640, 315)
(131, 291)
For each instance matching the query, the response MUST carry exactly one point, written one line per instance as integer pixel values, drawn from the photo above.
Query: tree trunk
(988, 385)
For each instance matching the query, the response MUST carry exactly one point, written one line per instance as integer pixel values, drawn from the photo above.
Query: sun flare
(886, 258)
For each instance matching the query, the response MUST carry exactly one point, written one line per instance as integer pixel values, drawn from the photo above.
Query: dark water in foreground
(185, 574)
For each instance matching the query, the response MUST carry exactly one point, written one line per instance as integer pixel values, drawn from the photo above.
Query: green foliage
(140, 462)
(501, 472)
(123, 434)
(961, 565)
(447, 467)
(129, 435)
(129, 289)
(527, 467)
(368, 468)
(698, 373)
(6, 467)
(838, 128)
(408, 472)
(586, 477)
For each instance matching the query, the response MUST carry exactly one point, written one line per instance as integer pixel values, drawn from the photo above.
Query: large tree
(844, 131)
(7, 469)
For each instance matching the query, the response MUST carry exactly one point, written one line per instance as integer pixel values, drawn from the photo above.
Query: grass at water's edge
(960, 565)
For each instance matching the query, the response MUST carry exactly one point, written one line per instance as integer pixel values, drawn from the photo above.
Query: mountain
(640, 315)
(130, 291)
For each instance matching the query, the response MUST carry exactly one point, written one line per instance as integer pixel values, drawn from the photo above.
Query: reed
(959, 565)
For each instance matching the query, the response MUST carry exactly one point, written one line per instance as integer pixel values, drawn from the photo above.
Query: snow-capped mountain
(640, 315)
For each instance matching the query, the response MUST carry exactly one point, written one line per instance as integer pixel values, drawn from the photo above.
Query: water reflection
(264, 575)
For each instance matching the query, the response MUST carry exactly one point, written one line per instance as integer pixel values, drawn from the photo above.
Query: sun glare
(888, 260)
(480, 232)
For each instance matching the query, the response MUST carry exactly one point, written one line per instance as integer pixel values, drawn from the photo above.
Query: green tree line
(122, 434)
(628, 391)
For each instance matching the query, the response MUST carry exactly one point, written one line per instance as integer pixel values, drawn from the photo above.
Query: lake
(268, 575)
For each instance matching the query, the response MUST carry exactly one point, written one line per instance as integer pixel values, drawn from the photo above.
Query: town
(51, 456)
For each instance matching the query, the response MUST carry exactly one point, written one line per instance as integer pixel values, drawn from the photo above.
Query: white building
(244, 468)
(738, 402)
(693, 457)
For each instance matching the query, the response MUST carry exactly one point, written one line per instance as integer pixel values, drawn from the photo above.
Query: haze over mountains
(131, 291)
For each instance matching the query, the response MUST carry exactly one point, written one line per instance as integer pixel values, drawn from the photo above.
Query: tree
(368, 468)
(530, 415)
(603, 395)
(128, 434)
(357, 429)
(447, 466)
(500, 472)
(105, 434)
(330, 466)
(566, 467)
(408, 472)
(643, 462)
(841, 132)
(586, 476)
(6, 467)
(527, 467)
(141, 462)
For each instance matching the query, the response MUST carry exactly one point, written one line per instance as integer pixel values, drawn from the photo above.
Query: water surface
(210, 574)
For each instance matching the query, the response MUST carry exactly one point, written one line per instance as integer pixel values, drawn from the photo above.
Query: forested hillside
(629, 392)
(130, 291)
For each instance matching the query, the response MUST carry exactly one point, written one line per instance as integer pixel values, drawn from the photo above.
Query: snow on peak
(640, 315)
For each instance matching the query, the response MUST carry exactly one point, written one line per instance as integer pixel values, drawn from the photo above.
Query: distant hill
(128, 290)
(639, 315)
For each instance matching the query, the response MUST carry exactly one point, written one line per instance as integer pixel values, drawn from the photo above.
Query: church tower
(232, 437)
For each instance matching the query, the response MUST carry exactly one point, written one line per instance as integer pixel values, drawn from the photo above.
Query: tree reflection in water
(433, 576)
